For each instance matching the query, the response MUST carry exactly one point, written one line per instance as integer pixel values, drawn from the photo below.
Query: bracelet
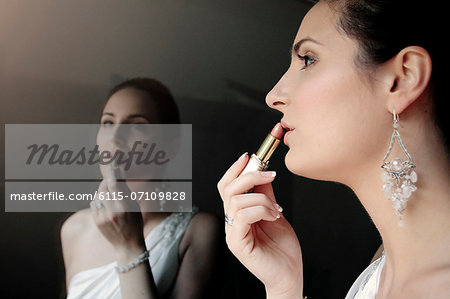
(139, 260)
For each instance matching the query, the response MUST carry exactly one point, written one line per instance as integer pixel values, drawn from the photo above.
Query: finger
(92, 207)
(232, 172)
(104, 214)
(247, 182)
(116, 169)
(107, 171)
(119, 193)
(101, 191)
(245, 218)
(266, 189)
(109, 177)
(243, 201)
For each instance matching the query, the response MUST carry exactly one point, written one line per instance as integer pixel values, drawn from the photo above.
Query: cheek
(101, 140)
(327, 111)
(326, 104)
(106, 140)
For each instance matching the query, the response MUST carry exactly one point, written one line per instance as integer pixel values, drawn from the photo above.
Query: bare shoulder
(204, 225)
(74, 227)
(205, 218)
(203, 231)
(430, 284)
(75, 223)
(438, 283)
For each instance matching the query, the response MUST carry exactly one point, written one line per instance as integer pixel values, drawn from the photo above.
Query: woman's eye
(107, 123)
(307, 60)
(137, 126)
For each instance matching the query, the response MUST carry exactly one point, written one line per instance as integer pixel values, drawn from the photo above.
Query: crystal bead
(398, 212)
(413, 176)
(397, 197)
(397, 164)
(385, 176)
(406, 192)
(401, 223)
(387, 190)
(396, 205)
(404, 184)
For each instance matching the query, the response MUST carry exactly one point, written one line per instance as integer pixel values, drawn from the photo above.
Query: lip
(288, 129)
(286, 126)
(286, 135)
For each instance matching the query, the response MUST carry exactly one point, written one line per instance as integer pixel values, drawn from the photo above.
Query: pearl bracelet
(140, 259)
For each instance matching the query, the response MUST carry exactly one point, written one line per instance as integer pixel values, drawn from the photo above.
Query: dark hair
(167, 108)
(383, 28)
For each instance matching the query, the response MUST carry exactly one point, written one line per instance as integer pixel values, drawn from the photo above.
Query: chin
(309, 168)
(293, 164)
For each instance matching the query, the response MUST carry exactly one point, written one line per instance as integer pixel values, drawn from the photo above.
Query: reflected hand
(123, 229)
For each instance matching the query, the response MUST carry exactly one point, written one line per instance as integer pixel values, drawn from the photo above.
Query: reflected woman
(362, 73)
(138, 254)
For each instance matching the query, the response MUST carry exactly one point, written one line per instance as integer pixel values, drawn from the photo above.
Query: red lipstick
(260, 160)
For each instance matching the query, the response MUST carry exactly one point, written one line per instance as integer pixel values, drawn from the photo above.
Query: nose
(278, 97)
(118, 134)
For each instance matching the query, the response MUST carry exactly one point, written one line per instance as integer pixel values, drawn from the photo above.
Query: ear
(409, 75)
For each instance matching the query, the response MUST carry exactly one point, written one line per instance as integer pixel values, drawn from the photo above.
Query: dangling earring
(398, 175)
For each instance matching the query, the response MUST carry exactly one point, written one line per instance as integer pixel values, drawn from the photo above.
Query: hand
(123, 229)
(265, 244)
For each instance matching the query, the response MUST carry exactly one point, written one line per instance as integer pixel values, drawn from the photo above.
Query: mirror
(58, 60)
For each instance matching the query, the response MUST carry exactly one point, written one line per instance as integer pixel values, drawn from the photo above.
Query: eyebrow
(297, 45)
(129, 116)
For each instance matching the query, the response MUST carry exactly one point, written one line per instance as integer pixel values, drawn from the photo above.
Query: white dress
(366, 285)
(162, 241)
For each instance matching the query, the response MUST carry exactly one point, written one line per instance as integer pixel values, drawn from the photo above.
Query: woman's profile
(110, 252)
(362, 102)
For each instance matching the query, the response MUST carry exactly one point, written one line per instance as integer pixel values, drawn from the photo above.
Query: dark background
(58, 59)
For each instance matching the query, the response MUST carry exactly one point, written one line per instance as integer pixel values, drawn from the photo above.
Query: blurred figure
(112, 253)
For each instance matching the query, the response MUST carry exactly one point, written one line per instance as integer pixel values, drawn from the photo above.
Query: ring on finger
(228, 220)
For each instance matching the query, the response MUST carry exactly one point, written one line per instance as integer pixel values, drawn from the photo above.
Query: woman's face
(129, 106)
(334, 110)
(122, 125)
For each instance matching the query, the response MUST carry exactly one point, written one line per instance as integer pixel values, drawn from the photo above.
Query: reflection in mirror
(110, 252)
(58, 59)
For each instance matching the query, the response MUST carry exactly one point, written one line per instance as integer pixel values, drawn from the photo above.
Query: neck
(423, 242)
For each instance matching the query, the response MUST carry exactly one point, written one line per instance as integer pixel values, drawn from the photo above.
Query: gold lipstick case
(260, 160)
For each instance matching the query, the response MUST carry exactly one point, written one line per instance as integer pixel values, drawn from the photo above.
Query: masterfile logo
(58, 167)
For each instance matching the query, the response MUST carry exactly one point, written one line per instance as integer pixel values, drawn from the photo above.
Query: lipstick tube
(260, 160)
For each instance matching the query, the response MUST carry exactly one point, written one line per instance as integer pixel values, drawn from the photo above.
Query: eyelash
(307, 60)
(107, 123)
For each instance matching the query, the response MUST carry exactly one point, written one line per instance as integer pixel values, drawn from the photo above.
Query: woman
(182, 247)
(361, 76)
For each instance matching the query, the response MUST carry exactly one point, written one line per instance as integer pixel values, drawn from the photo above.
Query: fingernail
(243, 155)
(278, 207)
(268, 173)
(275, 214)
